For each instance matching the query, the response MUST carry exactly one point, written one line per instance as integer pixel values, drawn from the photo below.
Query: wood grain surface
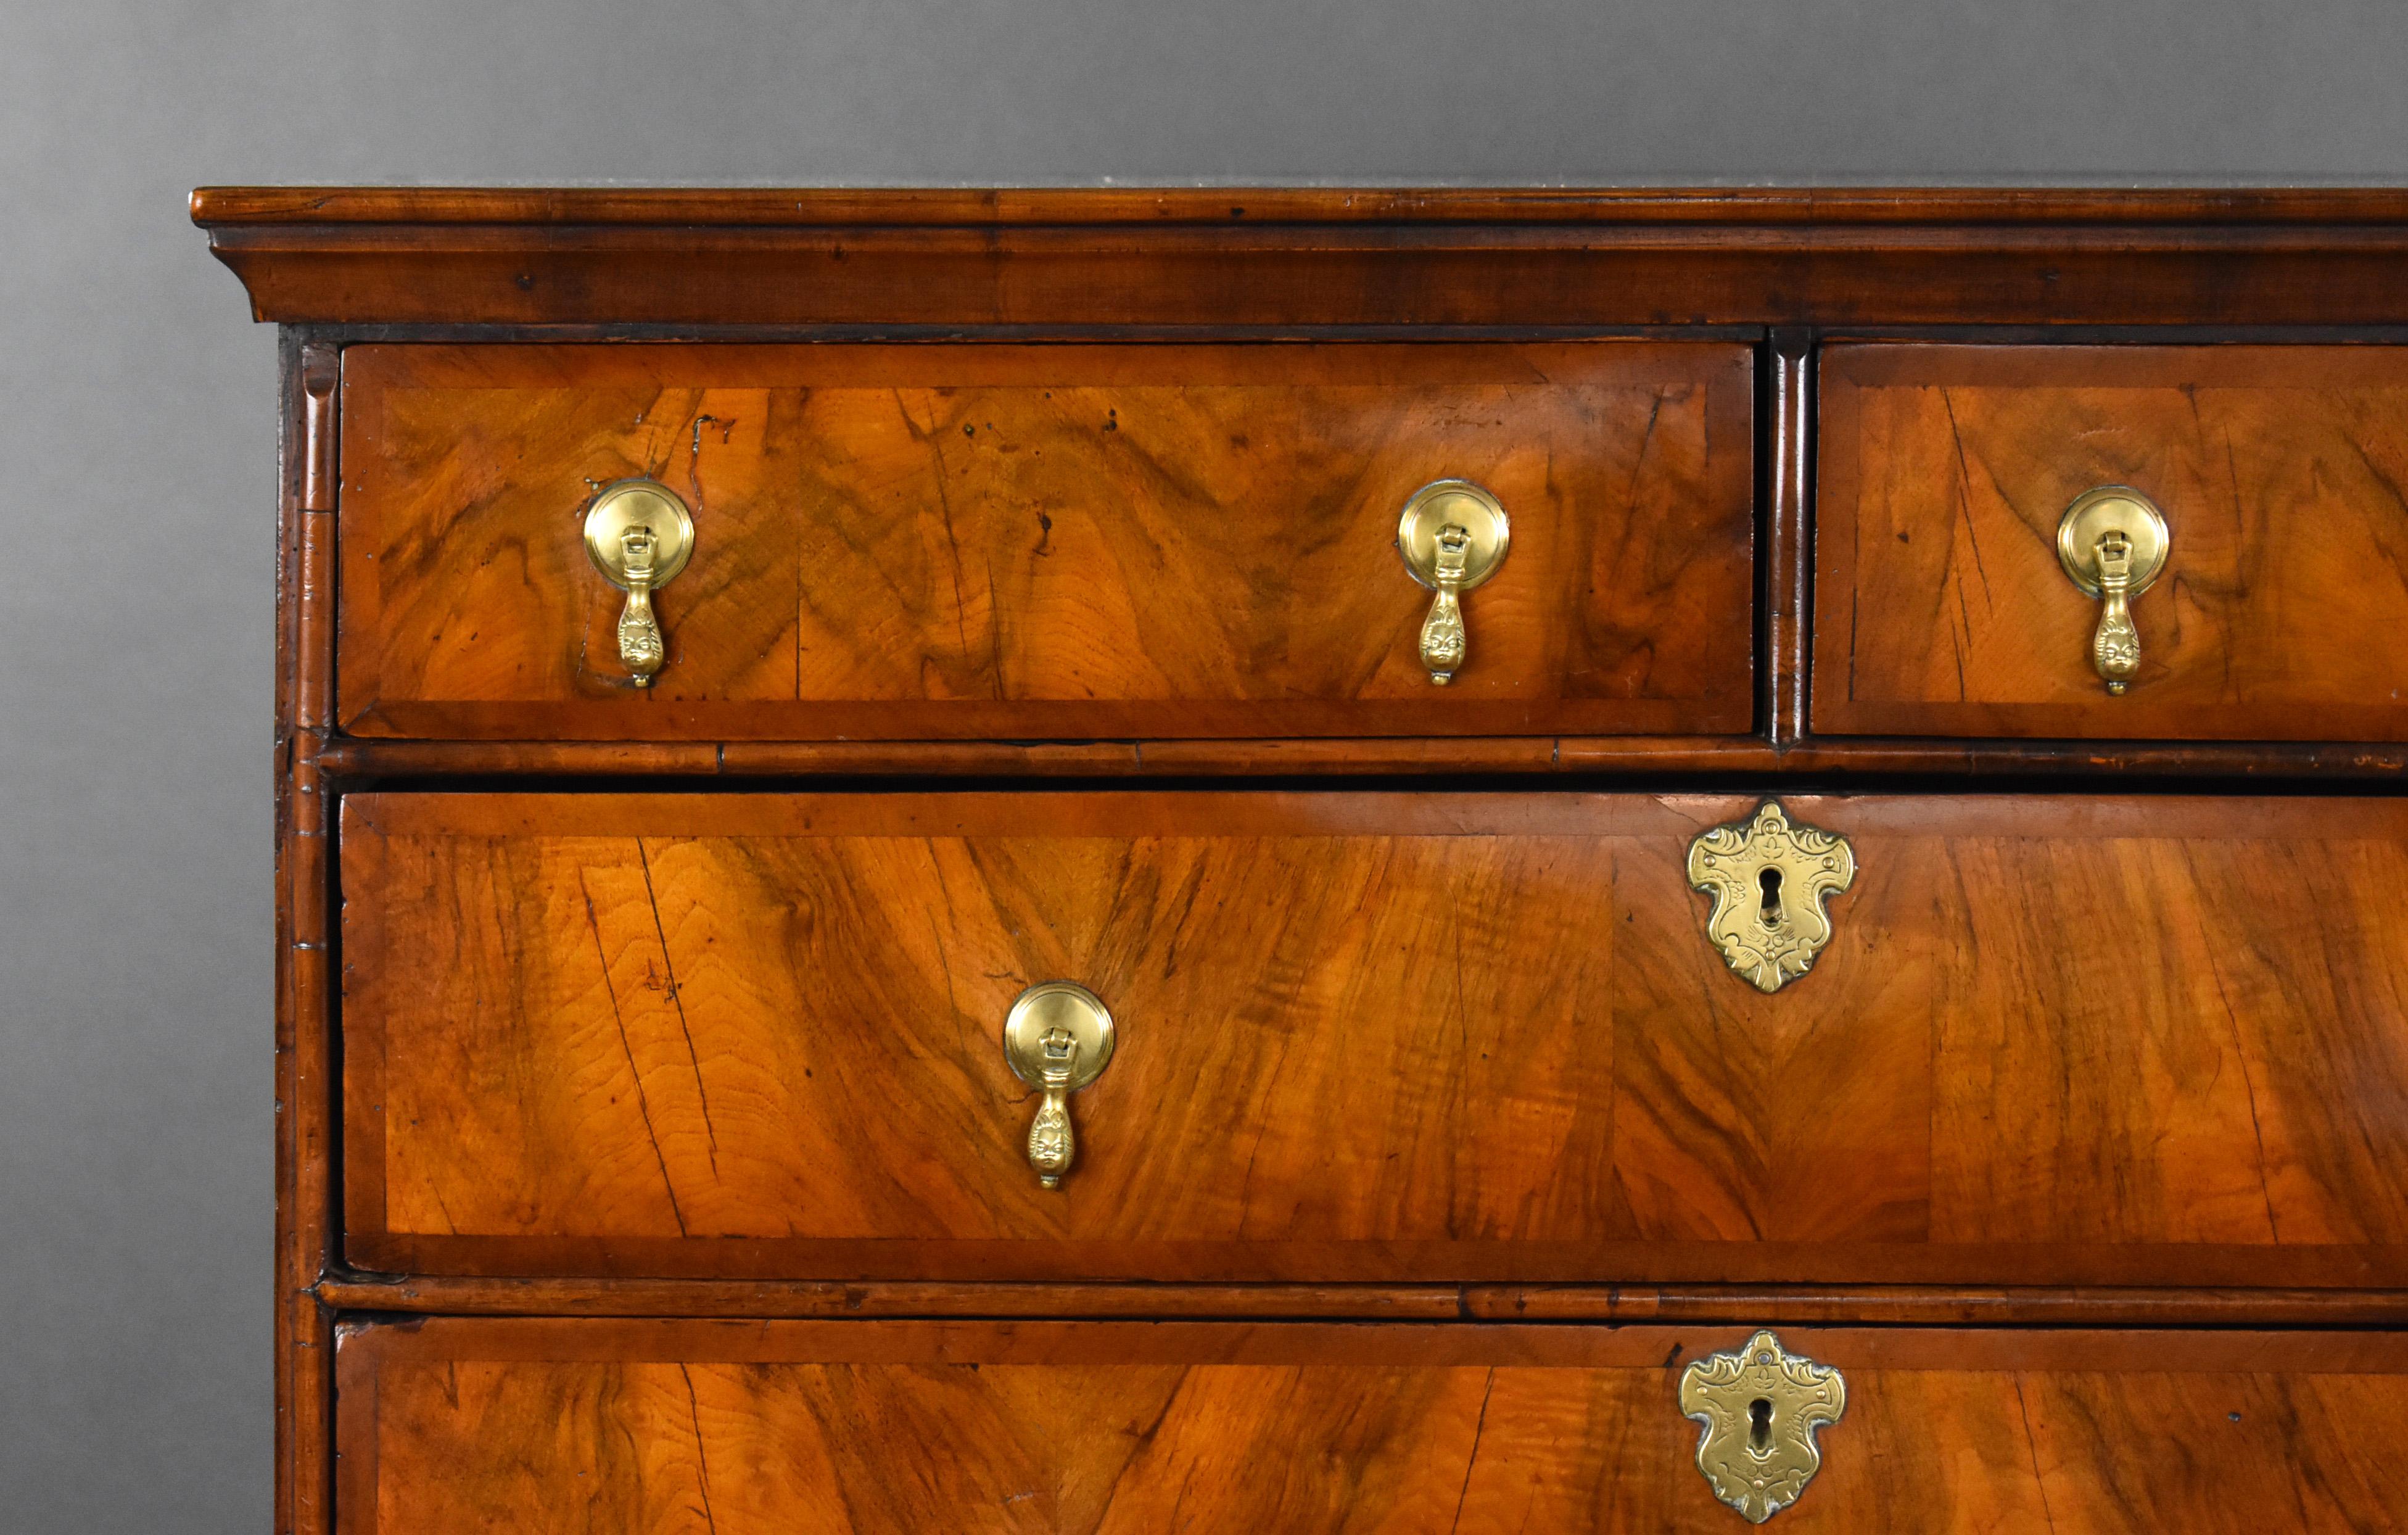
(1373, 1036)
(306, 1124)
(744, 1429)
(1815, 761)
(637, 1057)
(1298, 257)
(1003, 208)
(934, 541)
(1930, 1305)
(1942, 607)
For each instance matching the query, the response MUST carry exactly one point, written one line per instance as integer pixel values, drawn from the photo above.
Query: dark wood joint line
(348, 1291)
(1804, 754)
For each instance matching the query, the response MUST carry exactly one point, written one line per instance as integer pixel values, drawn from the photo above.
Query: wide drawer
(446, 1427)
(1942, 606)
(913, 541)
(1370, 1036)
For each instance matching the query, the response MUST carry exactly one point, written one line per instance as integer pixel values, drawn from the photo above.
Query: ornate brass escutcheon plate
(1761, 1408)
(1769, 880)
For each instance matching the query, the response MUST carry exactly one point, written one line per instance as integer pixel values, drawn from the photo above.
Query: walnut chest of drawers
(1323, 861)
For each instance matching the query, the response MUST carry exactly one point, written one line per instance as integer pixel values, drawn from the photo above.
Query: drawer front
(748, 1429)
(947, 541)
(1942, 607)
(1370, 1036)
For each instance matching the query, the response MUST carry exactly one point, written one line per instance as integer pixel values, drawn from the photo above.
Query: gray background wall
(136, 407)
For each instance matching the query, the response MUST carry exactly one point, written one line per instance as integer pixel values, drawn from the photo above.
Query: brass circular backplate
(1464, 504)
(1041, 1009)
(2094, 512)
(620, 506)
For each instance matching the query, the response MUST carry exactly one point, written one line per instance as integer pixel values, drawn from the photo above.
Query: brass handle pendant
(2113, 542)
(1442, 636)
(639, 536)
(1761, 1408)
(1058, 1039)
(639, 632)
(1452, 536)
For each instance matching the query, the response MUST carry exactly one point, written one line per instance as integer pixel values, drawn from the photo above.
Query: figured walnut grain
(681, 1428)
(940, 541)
(1374, 1038)
(1943, 610)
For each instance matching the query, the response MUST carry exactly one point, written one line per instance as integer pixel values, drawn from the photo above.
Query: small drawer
(763, 1427)
(1944, 606)
(947, 541)
(1377, 1036)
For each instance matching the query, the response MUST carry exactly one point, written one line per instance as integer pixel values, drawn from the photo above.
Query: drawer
(1942, 607)
(1368, 1035)
(926, 541)
(445, 1428)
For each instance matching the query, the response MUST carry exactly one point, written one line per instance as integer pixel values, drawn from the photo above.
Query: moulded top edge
(233, 207)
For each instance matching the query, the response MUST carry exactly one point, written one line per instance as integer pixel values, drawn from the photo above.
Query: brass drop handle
(2113, 542)
(1058, 1039)
(1452, 536)
(1443, 637)
(639, 632)
(639, 535)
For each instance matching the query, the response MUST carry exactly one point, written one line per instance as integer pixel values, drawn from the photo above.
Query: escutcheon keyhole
(1759, 1424)
(1770, 883)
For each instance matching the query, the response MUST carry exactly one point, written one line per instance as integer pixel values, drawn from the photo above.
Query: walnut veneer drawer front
(948, 541)
(1367, 1036)
(1942, 606)
(868, 1428)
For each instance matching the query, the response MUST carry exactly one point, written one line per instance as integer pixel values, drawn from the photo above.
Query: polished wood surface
(1945, 470)
(1313, 256)
(1952, 1305)
(1369, 1036)
(2035, 1131)
(1652, 758)
(305, 1126)
(732, 1429)
(1015, 541)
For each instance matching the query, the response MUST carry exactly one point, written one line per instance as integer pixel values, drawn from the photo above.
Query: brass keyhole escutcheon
(1057, 1038)
(2113, 542)
(1769, 880)
(1761, 1407)
(639, 535)
(1452, 536)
